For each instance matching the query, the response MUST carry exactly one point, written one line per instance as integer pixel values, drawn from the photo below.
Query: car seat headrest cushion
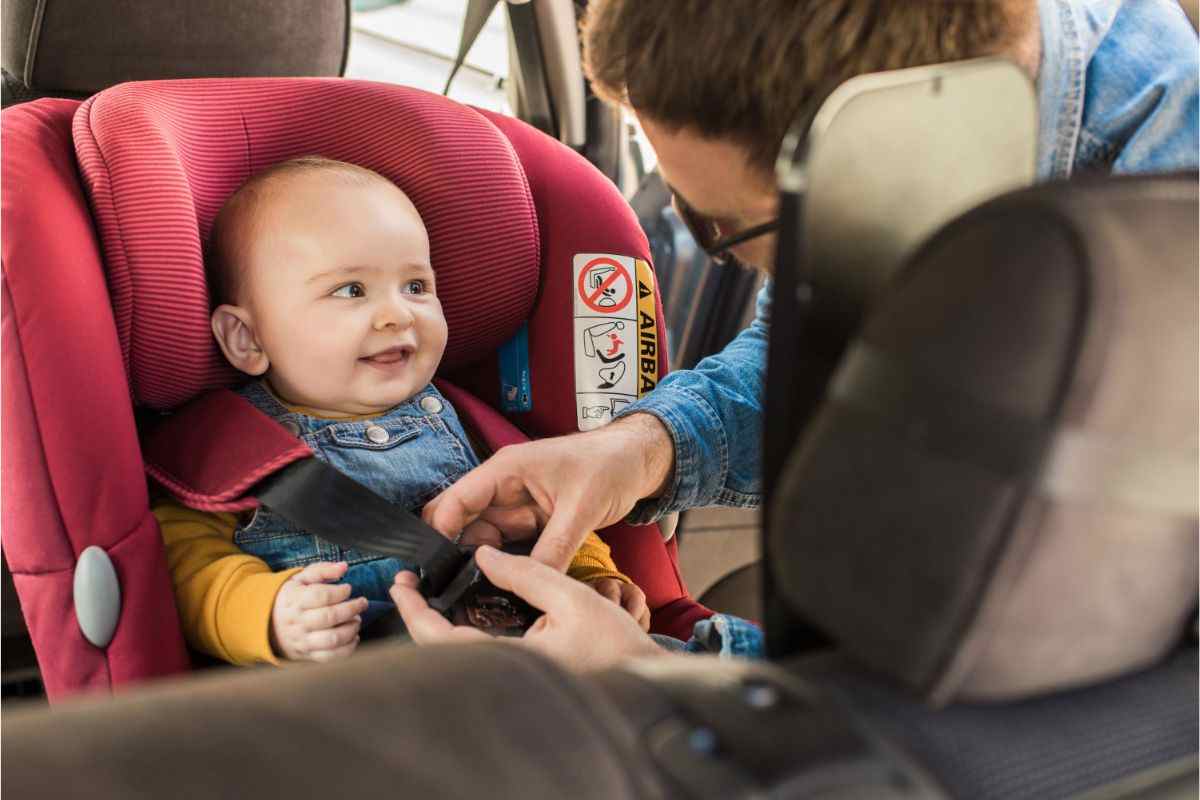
(158, 159)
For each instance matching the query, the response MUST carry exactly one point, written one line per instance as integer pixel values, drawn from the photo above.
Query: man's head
(323, 281)
(717, 85)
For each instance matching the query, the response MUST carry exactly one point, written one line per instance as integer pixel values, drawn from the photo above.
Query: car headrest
(81, 48)
(998, 495)
(159, 158)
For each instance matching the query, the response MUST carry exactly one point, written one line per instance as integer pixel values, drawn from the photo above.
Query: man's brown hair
(743, 70)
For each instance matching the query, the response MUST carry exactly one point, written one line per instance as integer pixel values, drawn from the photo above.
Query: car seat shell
(97, 315)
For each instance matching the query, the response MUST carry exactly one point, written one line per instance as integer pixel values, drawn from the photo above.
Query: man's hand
(578, 627)
(313, 621)
(628, 596)
(563, 487)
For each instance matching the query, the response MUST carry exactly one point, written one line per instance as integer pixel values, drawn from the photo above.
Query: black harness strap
(323, 501)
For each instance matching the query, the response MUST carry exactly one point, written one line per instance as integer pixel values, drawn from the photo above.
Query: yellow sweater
(225, 596)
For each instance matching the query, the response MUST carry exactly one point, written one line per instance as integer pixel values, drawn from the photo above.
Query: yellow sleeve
(224, 596)
(594, 561)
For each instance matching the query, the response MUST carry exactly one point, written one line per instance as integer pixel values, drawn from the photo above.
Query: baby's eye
(350, 290)
(415, 287)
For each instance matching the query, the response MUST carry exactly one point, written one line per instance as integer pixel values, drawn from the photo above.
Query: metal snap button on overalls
(377, 434)
(291, 427)
(431, 405)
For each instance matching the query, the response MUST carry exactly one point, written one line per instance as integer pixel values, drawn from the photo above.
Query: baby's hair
(221, 262)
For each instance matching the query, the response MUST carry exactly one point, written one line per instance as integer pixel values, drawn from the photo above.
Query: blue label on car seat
(515, 395)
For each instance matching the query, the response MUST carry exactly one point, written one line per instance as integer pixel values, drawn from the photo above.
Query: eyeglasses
(708, 234)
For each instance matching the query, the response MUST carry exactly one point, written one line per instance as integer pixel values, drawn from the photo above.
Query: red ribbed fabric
(158, 159)
(70, 460)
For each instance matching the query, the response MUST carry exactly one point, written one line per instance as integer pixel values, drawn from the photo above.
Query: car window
(414, 42)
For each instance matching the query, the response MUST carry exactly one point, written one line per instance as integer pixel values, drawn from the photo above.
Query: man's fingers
(333, 638)
(561, 538)
(542, 586)
(316, 619)
(517, 522)
(321, 572)
(481, 532)
(425, 625)
(462, 503)
(318, 595)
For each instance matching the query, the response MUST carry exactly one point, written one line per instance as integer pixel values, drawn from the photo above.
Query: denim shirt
(406, 455)
(1117, 88)
(1117, 92)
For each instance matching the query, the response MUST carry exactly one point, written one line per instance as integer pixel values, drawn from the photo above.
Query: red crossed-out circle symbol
(593, 296)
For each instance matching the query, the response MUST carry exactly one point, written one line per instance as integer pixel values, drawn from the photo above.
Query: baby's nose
(395, 315)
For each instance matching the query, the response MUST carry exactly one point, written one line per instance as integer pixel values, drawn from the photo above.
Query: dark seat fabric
(76, 49)
(739, 592)
(496, 721)
(997, 496)
(1051, 747)
(486, 720)
(13, 90)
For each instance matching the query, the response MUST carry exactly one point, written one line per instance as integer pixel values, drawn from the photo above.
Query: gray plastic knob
(97, 596)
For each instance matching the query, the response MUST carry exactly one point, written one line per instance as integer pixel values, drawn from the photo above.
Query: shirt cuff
(242, 628)
(727, 636)
(588, 570)
(700, 447)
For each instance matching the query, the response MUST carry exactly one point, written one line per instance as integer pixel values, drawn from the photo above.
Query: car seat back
(1006, 455)
(513, 219)
(75, 50)
(674, 727)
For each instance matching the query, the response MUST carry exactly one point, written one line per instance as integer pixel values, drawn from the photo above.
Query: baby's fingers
(323, 656)
(318, 595)
(332, 639)
(633, 600)
(608, 589)
(321, 572)
(325, 617)
(636, 606)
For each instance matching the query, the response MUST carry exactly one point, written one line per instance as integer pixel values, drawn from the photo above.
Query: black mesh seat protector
(1052, 747)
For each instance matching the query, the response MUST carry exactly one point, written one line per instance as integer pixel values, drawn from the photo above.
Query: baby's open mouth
(393, 355)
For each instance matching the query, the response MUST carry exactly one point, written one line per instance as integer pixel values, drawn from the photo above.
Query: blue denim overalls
(406, 455)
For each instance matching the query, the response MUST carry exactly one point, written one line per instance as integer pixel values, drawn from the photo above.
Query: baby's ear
(233, 326)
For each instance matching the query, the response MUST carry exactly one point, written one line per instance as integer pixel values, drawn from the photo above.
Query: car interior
(976, 559)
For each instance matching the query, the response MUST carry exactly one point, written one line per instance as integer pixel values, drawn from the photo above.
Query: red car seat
(105, 313)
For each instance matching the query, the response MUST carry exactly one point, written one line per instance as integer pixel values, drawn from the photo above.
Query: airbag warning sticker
(616, 335)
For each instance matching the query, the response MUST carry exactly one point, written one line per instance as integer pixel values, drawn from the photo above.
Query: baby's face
(340, 286)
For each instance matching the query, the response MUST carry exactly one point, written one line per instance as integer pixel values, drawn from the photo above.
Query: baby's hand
(313, 621)
(628, 596)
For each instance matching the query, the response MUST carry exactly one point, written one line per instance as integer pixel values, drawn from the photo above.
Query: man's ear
(234, 328)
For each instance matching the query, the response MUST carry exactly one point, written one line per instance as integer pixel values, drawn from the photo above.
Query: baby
(326, 294)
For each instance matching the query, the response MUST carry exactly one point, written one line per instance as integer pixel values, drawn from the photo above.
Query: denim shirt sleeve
(1141, 113)
(714, 416)
(727, 636)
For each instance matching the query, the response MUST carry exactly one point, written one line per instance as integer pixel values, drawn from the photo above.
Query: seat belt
(474, 19)
(316, 497)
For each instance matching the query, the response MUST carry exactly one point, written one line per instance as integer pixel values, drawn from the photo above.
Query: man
(715, 87)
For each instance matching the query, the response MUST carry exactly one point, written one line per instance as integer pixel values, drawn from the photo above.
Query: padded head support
(80, 48)
(159, 158)
(998, 495)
